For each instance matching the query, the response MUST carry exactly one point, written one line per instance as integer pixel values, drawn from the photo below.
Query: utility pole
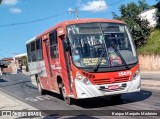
(75, 12)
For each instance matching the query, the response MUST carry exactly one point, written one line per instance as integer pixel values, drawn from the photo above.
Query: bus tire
(40, 89)
(67, 99)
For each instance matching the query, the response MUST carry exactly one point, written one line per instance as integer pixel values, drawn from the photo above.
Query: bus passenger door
(47, 61)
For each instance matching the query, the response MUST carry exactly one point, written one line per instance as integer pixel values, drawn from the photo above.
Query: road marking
(38, 98)
(31, 99)
(48, 97)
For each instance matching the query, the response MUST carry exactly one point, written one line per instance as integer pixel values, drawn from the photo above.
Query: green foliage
(24, 62)
(152, 45)
(129, 14)
(143, 5)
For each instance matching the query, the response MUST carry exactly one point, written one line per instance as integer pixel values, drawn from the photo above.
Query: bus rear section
(90, 58)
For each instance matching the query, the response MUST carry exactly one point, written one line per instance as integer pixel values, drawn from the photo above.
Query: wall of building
(9, 66)
(149, 62)
(14, 65)
(151, 16)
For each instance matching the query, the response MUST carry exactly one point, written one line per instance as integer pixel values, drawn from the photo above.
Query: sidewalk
(150, 83)
(150, 74)
(150, 79)
(8, 103)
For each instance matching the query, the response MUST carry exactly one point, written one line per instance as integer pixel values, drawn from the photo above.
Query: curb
(150, 72)
(150, 83)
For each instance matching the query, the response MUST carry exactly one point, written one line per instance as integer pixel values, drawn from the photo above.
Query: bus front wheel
(67, 99)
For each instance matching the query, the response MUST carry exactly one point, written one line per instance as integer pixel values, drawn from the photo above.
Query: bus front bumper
(90, 91)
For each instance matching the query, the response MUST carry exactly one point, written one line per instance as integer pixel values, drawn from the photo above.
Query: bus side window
(33, 54)
(39, 50)
(53, 44)
(29, 52)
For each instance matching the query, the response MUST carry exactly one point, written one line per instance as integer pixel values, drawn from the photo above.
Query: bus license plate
(113, 87)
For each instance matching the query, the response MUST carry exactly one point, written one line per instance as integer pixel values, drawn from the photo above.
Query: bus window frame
(102, 68)
(41, 49)
(35, 51)
(55, 46)
(29, 52)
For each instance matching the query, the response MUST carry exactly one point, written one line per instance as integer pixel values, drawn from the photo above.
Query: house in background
(8, 65)
(13, 64)
(22, 62)
(151, 16)
(20, 57)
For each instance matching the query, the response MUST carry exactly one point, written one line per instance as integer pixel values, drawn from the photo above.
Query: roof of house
(21, 55)
(7, 59)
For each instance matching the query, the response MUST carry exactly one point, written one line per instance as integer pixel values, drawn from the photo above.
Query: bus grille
(109, 81)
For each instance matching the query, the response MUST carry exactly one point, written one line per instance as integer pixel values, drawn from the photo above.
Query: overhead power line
(28, 22)
(46, 18)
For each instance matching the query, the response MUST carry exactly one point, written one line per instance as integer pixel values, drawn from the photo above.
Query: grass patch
(152, 46)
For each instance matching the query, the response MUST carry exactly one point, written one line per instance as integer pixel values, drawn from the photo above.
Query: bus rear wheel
(40, 89)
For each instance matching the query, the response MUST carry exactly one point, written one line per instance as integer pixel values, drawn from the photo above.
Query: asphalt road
(20, 87)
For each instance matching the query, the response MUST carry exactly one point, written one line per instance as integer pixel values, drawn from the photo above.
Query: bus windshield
(111, 43)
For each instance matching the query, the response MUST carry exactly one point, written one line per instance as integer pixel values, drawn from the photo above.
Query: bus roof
(76, 21)
(30, 40)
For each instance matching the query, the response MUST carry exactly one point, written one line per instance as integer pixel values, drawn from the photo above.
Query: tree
(24, 62)
(139, 27)
(143, 5)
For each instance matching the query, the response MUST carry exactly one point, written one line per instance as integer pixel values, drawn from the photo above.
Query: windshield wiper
(115, 48)
(102, 53)
(99, 60)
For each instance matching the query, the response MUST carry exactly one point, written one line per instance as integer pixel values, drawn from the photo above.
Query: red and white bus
(85, 58)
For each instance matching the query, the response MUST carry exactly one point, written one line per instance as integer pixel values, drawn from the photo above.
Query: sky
(21, 20)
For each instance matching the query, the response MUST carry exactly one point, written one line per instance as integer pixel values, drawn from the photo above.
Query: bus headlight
(86, 81)
(82, 79)
(136, 74)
